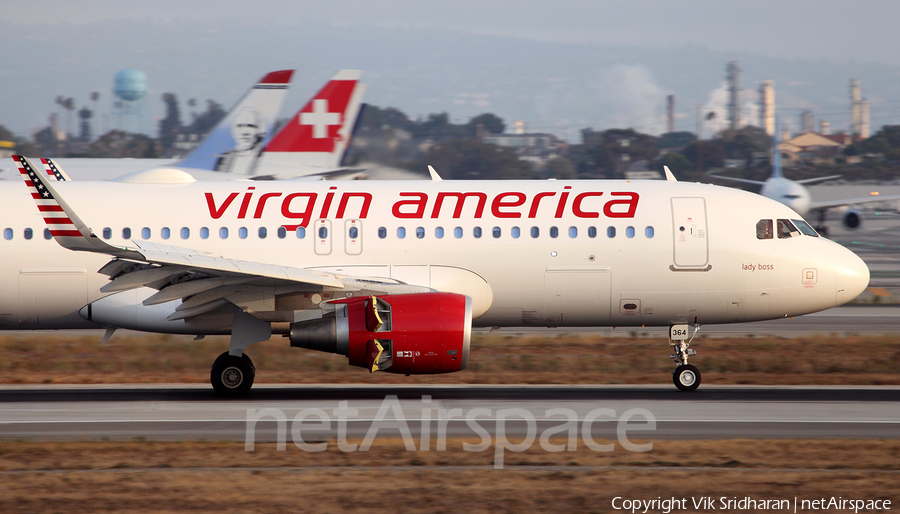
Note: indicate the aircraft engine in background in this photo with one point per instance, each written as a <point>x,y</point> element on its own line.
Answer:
<point>421,333</point>
<point>852,219</point>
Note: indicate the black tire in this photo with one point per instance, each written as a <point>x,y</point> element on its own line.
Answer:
<point>232,376</point>
<point>686,378</point>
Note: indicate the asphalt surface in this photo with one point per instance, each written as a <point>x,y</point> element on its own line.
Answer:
<point>180,412</point>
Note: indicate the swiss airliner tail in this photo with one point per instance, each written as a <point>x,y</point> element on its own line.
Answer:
<point>316,137</point>
<point>234,145</point>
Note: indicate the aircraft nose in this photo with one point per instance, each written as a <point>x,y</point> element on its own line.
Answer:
<point>852,277</point>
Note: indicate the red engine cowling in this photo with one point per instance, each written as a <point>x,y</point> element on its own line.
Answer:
<point>421,333</point>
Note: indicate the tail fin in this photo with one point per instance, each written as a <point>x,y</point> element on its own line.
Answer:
<point>776,151</point>
<point>235,143</point>
<point>53,170</point>
<point>318,135</point>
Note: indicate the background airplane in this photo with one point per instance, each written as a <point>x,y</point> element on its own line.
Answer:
<point>794,194</point>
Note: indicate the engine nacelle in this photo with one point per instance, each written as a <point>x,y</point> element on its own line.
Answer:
<point>419,333</point>
<point>852,219</point>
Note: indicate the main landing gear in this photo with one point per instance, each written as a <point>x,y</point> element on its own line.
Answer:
<point>233,372</point>
<point>686,377</point>
<point>232,376</point>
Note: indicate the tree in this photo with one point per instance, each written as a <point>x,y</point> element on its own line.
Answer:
<point>491,123</point>
<point>170,126</point>
<point>560,168</point>
<point>886,142</point>
<point>675,140</point>
<point>375,118</point>
<point>206,121</point>
<point>711,154</point>
<point>610,150</point>
<point>117,143</point>
<point>743,143</point>
<point>6,135</point>
<point>678,163</point>
<point>465,159</point>
<point>84,133</point>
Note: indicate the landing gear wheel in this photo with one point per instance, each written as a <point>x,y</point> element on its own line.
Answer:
<point>686,377</point>
<point>232,376</point>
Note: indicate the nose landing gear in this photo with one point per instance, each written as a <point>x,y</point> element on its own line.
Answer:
<point>686,377</point>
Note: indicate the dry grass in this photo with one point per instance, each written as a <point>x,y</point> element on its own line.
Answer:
<point>565,359</point>
<point>207,477</point>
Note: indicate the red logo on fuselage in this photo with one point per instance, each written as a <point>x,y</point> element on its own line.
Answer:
<point>302,207</point>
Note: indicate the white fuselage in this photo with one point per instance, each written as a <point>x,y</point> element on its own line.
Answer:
<point>681,252</point>
<point>787,192</point>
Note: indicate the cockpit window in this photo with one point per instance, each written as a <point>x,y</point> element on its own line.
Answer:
<point>764,229</point>
<point>805,228</point>
<point>786,229</point>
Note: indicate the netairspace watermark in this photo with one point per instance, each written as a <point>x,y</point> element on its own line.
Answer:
<point>314,420</point>
<point>735,504</point>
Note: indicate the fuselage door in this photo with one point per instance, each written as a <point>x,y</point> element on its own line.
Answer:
<point>353,237</point>
<point>323,237</point>
<point>691,249</point>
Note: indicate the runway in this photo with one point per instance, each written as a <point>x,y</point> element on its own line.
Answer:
<point>190,412</point>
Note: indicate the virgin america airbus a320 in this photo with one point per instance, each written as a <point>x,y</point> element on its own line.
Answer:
<point>394,274</point>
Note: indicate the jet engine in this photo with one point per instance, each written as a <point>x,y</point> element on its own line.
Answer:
<point>852,219</point>
<point>419,333</point>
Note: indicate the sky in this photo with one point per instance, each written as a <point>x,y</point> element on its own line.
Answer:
<point>558,67</point>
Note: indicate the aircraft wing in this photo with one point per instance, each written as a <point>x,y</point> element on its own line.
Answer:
<point>150,264</point>
<point>815,206</point>
<point>817,179</point>
<point>741,180</point>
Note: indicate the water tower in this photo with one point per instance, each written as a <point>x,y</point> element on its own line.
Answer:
<point>130,86</point>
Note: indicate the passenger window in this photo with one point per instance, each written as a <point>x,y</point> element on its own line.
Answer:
<point>610,232</point>
<point>629,232</point>
<point>30,233</point>
<point>223,233</point>
<point>7,233</point>
<point>262,232</point>
<point>764,229</point>
<point>107,233</point>
<point>457,232</point>
<point>420,232</point>
<point>126,233</point>
<point>382,232</point>
<point>282,232</point>
<point>515,232</point>
<point>204,233</point>
<point>242,232</point>
<point>786,229</point>
<point>648,232</point>
<point>496,232</point>
<point>47,234</point>
<point>592,232</point>
<point>301,232</point>
<point>165,233</point>
<point>535,232</point>
<point>185,232</point>
<point>145,233</point>
<point>476,232</point>
<point>573,232</point>
<point>323,232</point>
<point>554,232</point>
<point>401,232</point>
<point>805,228</point>
<point>353,233</point>
<point>439,232</point>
